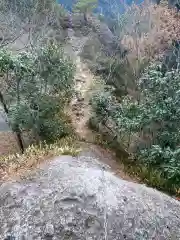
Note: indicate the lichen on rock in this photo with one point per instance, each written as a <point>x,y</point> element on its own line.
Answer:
<point>77,198</point>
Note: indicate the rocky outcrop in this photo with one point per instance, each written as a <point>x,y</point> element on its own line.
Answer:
<point>78,198</point>
<point>100,30</point>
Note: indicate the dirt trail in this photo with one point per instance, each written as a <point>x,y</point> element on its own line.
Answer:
<point>80,112</point>
<point>80,108</point>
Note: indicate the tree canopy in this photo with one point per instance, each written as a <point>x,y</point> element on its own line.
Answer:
<point>85,6</point>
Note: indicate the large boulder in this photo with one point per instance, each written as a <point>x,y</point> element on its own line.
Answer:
<point>78,198</point>
<point>93,27</point>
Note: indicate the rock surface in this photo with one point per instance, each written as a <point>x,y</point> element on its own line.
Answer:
<point>78,198</point>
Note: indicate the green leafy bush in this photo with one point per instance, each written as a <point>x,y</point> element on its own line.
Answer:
<point>102,103</point>
<point>85,7</point>
<point>35,89</point>
<point>154,117</point>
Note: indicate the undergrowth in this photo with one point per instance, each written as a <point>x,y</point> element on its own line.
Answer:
<point>149,125</point>
<point>135,120</point>
<point>35,154</point>
<point>144,174</point>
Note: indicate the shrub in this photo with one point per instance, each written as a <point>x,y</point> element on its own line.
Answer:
<point>102,103</point>
<point>35,90</point>
<point>154,118</point>
<point>85,7</point>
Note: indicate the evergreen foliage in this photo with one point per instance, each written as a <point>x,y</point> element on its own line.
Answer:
<point>155,116</point>
<point>85,6</point>
<point>35,88</point>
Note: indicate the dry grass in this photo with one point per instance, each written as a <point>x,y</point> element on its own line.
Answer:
<point>17,164</point>
<point>148,32</point>
<point>153,28</point>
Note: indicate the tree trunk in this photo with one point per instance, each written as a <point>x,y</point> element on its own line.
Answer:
<point>19,140</point>
<point>85,18</point>
<point>3,103</point>
<point>17,132</point>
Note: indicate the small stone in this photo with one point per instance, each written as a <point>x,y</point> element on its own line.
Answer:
<point>49,230</point>
<point>78,79</point>
<point>80,99</point>
<point>75,108</point>
<point>78,114</point>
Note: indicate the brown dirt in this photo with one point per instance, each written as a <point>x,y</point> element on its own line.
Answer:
<point>80,112</point>
<point>8,144</point>
<point>80,108</point>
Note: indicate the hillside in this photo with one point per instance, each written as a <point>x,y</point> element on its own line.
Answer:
<point>104,6</point>
<point>103,92</point>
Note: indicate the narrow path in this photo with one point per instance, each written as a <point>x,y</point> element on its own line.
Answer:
<point>80,108</point>
<point>80,112</point>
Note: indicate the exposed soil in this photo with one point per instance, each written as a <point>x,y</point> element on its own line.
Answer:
<point>80,112</point>
<point>80,108</point>
<point>8,143</point>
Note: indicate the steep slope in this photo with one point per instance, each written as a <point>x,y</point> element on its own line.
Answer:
<point>106,7</point>
<point>80,104</point>
<point>79,109</point>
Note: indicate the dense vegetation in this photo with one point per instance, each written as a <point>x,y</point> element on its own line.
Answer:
<point>150,122</point>
<point>138,100</point>
<point>85,7</point>
<point>35,88</point>
<point>137,109</point>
